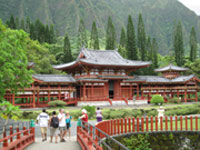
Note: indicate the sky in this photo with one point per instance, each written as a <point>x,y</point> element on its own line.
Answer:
<point>192,4</point>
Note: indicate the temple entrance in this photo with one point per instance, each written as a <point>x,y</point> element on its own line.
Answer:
<point>111,88</point>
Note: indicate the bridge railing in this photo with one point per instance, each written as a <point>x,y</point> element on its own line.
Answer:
<point>16,136</point>
<point>149,124</point>
<point>89,137</point>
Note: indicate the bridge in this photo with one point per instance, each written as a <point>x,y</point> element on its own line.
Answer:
<point>90,137</point>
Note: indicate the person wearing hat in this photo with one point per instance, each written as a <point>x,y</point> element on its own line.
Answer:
<point>84,116</point>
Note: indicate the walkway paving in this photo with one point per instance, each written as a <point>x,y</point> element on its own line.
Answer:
<point>39,145</point>
<point>71,145</point>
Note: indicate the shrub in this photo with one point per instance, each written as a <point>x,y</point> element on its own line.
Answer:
<point>90,111</point>
<point>157,99</point>
<point>56,103</point>
<point>75,114</point>
<point>175,100</point>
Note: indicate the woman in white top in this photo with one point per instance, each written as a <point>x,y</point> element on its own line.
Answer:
<point>99,115</point>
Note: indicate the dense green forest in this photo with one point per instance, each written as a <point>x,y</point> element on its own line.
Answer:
<point>159,16</point>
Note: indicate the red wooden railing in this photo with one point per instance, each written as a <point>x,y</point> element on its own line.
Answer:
<point>149,124</point>
<point>17,138</point>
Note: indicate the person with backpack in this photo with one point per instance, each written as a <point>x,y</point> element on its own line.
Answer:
<point>68,123</point>
<point>54,124</point>
<point>43,119</point>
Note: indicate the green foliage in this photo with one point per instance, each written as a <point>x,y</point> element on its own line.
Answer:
<point>56,103</point>
<point>131,47</point>
<point>94,38</point>
<point>139,142</point>
<point>178,44</point>
<point>38,30</point>
<point>194,67</point>
<point>67,50</point>
<point>175,100</point>
<point>157,99</point>
<point>90,110</point>
<point>8,111</point>
<point>82,36</point>
<point>14,73</point>
<point>122,43</point>
<point>110,35</point>
<point>141,38</point>
<point>193,45</point>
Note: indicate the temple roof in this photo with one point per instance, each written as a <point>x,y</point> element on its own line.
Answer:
<point>171,68</point>
<point>54,78</point>
<point>158,79</point>
<point>102,58</point>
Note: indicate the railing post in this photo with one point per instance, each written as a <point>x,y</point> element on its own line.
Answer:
<point>129,124</point>
<point>18,135</point>
<point>118,126</point>
<point>196,123</point>
<point>138,123</point>
<point>171,123</point>
<point>176,123</point>
<point>133,124</point>
<point>156,123</point>
<point>191,123</point>
<point>122,126</point>
<point>166,123</point>
<point>125,125</point>
<point>161,123</point>
<point>5,142</point>
<point>186,123</point>
<point>147,123</point>
<point>115,127</point>
<point>111,127</point>
<point>181,122</point>
<point>142,124</point>
<point>151,123</point>
<point>11,132</point>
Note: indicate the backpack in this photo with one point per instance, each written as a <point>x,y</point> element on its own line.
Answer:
<point>55,122</point>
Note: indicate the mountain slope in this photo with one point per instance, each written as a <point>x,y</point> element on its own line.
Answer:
<point>159,15</point>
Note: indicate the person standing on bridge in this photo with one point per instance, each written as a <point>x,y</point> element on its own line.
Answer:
<point>54,124</point>
<point>68,123</point>
<point>84,117</point>
<point>43,119</point>
<point>62,125</point>
<point>99,115</point>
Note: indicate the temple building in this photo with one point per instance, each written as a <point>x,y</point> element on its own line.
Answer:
<point>100,78</point>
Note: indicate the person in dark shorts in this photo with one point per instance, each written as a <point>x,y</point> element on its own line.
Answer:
<point>99,114</point>
<point>54,124</point>
<point>68,124</point>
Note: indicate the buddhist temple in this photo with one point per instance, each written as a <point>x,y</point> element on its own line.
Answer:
<point>102,78</point>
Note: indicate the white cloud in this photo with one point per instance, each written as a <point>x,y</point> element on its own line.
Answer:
<point>192,4</point>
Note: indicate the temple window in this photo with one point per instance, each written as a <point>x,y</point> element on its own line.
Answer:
<point>94,71</point>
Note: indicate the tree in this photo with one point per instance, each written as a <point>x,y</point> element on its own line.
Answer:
<point>110,35</point>
<point>67,50</point>
<point>13,60</point>
<point>193,45</point>
<point>154,53</point>
<point>82,36</point>
<point>28,24</point>
<point>94,39</point>
<point>12,24</point>
<point>141,38</point>
<point>22,26</point>
<point>178,45</point>
<point>122,43</point>
<point>52,35</point>
<point>131,41</point>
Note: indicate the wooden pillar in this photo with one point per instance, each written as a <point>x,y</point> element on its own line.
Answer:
<point>185,95</point>
<point>84,92</point>
<point>13,99</point>
<point>130,91</point>
<point>92,91</point>
<point>137,90</point>
<point>196,96</point>
<point>48,93</point>
<point>33,99</point>
<point>59,97</point>
<point>120,92</point>
<point>38,97</point>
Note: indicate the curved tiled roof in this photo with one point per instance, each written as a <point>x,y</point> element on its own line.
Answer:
<point>54,78</point>
<point>171,67</point>
<point>158,79</point>
<point>103,57</point>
